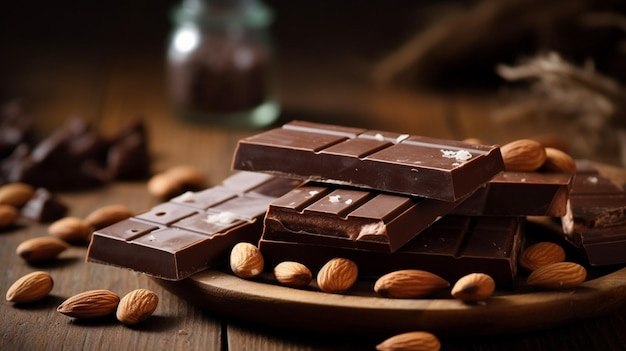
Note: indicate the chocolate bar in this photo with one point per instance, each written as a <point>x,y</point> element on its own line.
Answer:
<point>596,218</point>
<point>347,217</point>
<point>413,165</point>
<point>191,232</point>
<point>520,194</point>
<point>452,247</point>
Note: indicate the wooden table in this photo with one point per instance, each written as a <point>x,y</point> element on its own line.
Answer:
<point>56,82</point>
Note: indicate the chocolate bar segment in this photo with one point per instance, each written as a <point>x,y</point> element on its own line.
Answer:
<point>520,194</point>
<point>193,231</point>
<point>413,165</point>
<point>452,247</point>
<point>350,217</point>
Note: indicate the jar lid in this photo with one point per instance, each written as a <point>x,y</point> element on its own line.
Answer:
<point>251,13</point>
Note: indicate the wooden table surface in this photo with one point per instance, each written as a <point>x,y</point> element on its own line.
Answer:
<point>58,81</point>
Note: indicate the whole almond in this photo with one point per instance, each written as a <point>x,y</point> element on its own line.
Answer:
<point>41,248</point>
<point>474,287</point>
<point>107,215</point>
<point>136,306</point>
<point>540,254</point>
<point>293,274</point>
<point>414,341</point>
<point>8,215</point>
<point>31,287</point>
<point>246,260</point>
<point>558,161</point>
<point>409,283</point>
<point>175,181</point>
<point>523,155</point>
<point>90,304</point>
<point>560,275</point>
<point>16,194</point>
<point>337,275</point>
<point>70,229</point>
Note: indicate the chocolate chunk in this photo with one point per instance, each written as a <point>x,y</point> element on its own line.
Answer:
<point>350,217</point>
<point>191,232</point>
<point>452,247</point>
<point>44,207</point>
<point>418,166</point>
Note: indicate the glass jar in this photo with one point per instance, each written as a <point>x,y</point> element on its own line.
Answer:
<point>220,63</point>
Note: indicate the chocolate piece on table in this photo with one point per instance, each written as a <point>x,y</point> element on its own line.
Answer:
<point>452,247</point>
<point>413,165</point>
<point>44,207</point>
<point>596,218</point>
<point>350,217</point>
<point>519,194</point>
<point>191,232</point>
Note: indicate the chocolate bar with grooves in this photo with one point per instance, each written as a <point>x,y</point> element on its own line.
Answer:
<point>193,231</point>
<point>452,247</point>
<point>413,165</point>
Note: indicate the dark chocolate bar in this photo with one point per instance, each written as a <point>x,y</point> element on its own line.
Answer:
<point>519,194</point>
<point>413,165</point>
<point>350,217</point>
<point>596,218</point>
<point>452,247</point>
<point>193,231</point>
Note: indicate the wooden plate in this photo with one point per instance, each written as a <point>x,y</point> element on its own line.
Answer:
<point>362,313</point>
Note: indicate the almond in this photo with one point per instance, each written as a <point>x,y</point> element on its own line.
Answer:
<point>337,275</point>
<point>136,306</point>
<point>541,254</point>
<point>414,341</point>
<point>560,275</point>
<point>246,260</point>
<point>8,215</point>
<point>107,215</point>
<point>474,287</point>
<point>175,181</point>
<point>409,283</point>
<point>70,229</point>
<point>293,274</point>
<point>41,248</point>
<point>31,287</point>
<point>558,161</point>
<point>90,304</point>
<point>524,155</point>
<point>16,194</point>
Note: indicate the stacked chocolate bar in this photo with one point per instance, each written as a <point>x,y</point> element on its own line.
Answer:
<point>310,192</point>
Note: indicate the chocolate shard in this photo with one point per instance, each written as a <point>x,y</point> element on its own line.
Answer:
<point>44,207</point>
<point>413,165</point>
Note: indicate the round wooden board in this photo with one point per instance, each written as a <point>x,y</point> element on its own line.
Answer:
<point>361,312</point>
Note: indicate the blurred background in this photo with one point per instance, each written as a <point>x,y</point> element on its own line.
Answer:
<point>530,67</point>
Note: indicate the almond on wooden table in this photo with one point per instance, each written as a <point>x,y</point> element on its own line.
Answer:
<point>474,287</point>
<point>246,260</point>
<point>558,161</point>
<point>30,287</point>
<point>411,341</point>
<point>409,284</point>
<point>540,254</point>
<point>555,276</point>
<point>293,274</point>
<point>136,306</point>
<point>90,304</point>
<point>337,276</point>
<point>70,229</point>
<point>41,248</point>
<point>107,215</point>
<point>16,194</point>
<point>175,181</point>
<point>8,215</point>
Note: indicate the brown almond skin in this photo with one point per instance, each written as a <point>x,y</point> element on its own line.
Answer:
<point>409,284</point>
<point>8,215</point>
<point>414,341</point>
<point>246,260</point>
<point>90,304</point>
<point>30,287</point>
<point>557,276</point>
<point>540,254</point>
<point>474,287</point>
<point>175,181</point>
<point>523,155</point>
<point>70,229</point>
<point>337,276</point>
<point>41,248</point>
<point>107,215</point>
<point>136,306</point>
<point>293,274</point>
<point>16,194</point>
<point>558,161</point>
